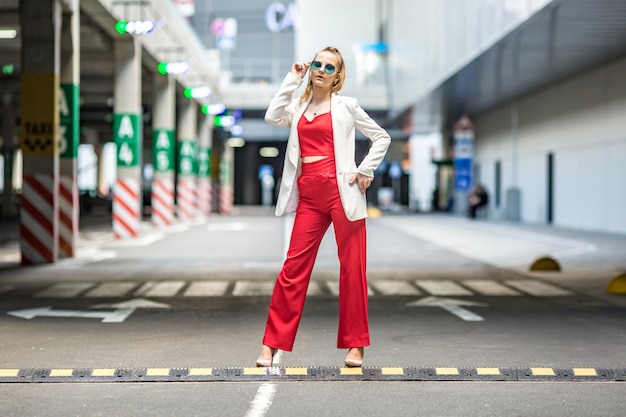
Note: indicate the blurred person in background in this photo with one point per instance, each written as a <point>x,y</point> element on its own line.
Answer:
<point>478,198</point>
<point>322,184</point>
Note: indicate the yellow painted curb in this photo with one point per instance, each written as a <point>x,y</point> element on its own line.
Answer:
<point>545,264</point>
<point>374,212</point>
<point>617,285</point>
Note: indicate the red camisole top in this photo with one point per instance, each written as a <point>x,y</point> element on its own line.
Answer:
<point>316,136</point>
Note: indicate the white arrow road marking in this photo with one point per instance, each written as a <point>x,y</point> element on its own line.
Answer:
<point>451,305</point>
<point>121,312</point>
<point>134,304</point>
<point>116,316</point>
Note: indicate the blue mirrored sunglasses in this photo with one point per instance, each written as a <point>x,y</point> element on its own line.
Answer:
<point>328,69</point>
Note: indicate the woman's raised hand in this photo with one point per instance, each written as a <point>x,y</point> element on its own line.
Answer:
<point>300,68</point>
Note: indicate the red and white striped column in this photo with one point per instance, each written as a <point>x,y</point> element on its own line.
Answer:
<point>162,202</point>
<point>226,199</point>
<point>39,131</point>
<point>126,208</point>
<point>38,226</point>
<point>186,198</point>
<point>68,216</point>
<point>227,180</point>
<point>128,136</point>
<point>204,196</point>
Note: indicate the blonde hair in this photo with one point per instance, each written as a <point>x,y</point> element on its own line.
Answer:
<point>337,85</point>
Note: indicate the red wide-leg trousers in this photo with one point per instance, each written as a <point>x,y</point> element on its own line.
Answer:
<point>319,205</point>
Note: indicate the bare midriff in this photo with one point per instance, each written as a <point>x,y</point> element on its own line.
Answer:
<point>307,159</point>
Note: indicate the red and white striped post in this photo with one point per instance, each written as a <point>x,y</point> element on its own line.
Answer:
<point>68,215</point>
<point>126,208</point>
<point>186,198</point>
<point>162,202</point>
<point>38,225</point>
<point>163,142</point>
<point>227,175</point>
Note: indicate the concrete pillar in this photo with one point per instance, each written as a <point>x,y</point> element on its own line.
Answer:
<point>9,148</point>
<point>127,133</point>
<point>163,142</point>
<point>40,22</point>
<point>69,134</point>
<point>205,146</point>
<point>187,149</point>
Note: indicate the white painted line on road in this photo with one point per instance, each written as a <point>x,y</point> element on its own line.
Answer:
<point>314,289</point>
<point>111,289</point>
<point>207,289</point>
<point>333,286</point>
<point>253,288</point>
<point>537,288</point>
<point>116,316</point>
<point>138,241</point>
<point>489,287</point>
<point>265,394</point>
<point>227,227</point>
<point>262,265</point>
<point>160,289</point>
<point>391,287</point>
<point>262,401</point>
<point>442,287</point>
<point>65,290</point>
<point>450,305</point>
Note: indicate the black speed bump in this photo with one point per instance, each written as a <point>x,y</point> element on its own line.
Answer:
<point>236,374</point>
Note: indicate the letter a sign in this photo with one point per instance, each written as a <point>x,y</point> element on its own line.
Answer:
<point>126,133</point>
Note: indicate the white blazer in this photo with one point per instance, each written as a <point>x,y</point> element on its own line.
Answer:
<point>346,115</point>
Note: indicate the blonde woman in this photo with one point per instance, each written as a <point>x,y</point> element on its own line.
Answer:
<point>322,184</point>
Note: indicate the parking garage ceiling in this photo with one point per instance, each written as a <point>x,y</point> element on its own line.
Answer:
<point>563,39</point>
<point>560,40</point>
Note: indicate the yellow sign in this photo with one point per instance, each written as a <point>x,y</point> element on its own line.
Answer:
<point>39,131</point>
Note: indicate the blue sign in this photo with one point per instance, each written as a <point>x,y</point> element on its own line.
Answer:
<point>395,170</point>
<point>462,174</point>
<point>265,170</point>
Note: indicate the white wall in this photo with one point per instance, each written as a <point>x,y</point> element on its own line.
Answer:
<point>582,121</point>
<point>341,24</point>
<point>423,173</point>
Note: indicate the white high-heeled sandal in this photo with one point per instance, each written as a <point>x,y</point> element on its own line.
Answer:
<point>266,363</point>
<point>354,363</point>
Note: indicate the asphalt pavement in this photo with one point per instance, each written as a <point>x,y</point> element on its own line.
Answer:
<point>170,323</point>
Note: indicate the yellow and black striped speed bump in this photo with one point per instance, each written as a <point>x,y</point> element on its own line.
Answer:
<point>237,374</point>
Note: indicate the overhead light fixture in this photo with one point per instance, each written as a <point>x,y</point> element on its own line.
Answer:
<point>236,142</point>
<point>269,152</point>
<point>173,68</point>
<point>224,121</point>
<point>197,92</point>
<point>214,108</point>
<point>8,33</point>
<point>135,27</point>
